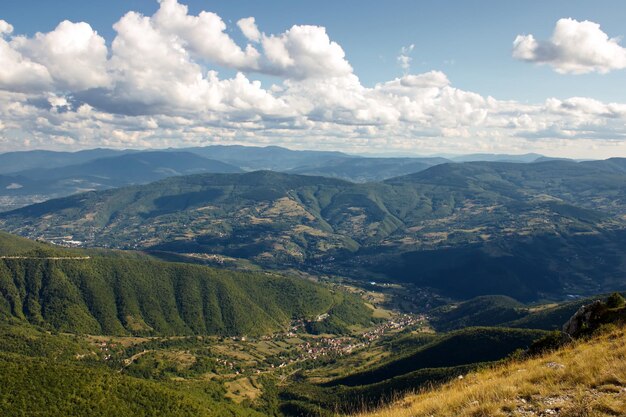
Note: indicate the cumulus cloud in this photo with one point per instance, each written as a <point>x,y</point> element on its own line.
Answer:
<point>304,51</point>
<point>5,28</point>
<point>203,35</point>
<point>157,85</point>
<point>73,53</point>
<point>249,29</point>
<point>18,73</point>
<point>574,48</point>
<point>429,79</point>
<point>155,67</point>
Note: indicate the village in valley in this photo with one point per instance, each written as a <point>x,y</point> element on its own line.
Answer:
<point>239,361</point>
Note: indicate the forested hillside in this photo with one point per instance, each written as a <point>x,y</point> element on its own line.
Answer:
<point>89,292</point>
<point>66,375</point>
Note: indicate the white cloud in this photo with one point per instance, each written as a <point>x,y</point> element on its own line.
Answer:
<point>429,79</point>
<point>203,35</point>
<point>304,52</point>
<point>340,100</point>
<point>249,29</point>
<point>404,59</point>
<point>18,73</point>
<point>574,48</point>
<point>5,28</point>
<point>73,53</point>
<point>155,73</point>
<point>58,101</point>
<point>157,85</point>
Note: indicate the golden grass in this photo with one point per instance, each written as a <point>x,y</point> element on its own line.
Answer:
<point>126,341</point>
<point>287,207</point>
<point>301,228</point>
<point>242,389</point>
<point>585,379</point>
<point>380,313</point>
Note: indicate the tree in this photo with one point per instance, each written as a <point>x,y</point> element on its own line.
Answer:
<point>615,300</point>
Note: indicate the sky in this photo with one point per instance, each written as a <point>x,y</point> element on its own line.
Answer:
<point>395,78</point>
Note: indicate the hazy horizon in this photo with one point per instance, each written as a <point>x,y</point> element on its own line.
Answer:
<point>363,154</point>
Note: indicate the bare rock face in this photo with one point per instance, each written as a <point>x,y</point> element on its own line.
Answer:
<point>583,318</point>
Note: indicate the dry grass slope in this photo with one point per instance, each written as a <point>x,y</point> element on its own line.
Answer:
<point>584,379</point>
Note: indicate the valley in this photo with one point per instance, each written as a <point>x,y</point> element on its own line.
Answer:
<point>278,294</point>
<point>312,209</point>
<point>349,348</point>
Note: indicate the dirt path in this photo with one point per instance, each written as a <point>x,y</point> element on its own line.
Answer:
<point>53,258</point>
<point>128,361</point>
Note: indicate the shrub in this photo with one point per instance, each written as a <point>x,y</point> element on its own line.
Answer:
<point>615,300</point>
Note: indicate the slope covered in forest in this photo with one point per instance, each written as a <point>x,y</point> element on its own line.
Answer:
<point>98,292</point>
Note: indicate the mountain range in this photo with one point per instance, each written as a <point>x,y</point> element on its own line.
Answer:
<point>528,230</point>
<point>33,176</point>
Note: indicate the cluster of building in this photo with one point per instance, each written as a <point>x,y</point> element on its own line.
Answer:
<point>339,346</point>
<point>328,346</point>
<point>397,323</point>
<point>106,349</point>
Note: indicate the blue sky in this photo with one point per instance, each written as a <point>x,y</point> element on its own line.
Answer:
<point>468,45</point>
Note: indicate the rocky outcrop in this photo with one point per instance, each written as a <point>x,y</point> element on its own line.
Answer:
<point>584,318</point>
<point>590,317</point>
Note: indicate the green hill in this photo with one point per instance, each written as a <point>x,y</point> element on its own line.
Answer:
<point>12,162</point>
<point>11,245</point>
<point>137,167</point>
<point>77,291</point>
<point>501,311</point>
<point>551,317</point>
<point>488,310</point>
<point>369,169</point>
<point>462,347</point>
<point>275,158</point>
<point>75,390</point>
<point>63,375</point>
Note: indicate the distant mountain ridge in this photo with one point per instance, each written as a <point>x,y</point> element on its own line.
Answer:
<point>34,176</point>
<point>369,169</point>
<point>137,167</point>
<point>104,173</point>
<point>274,158</point>
<point>12,162</point>
<point>488,157</point>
